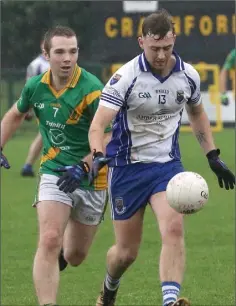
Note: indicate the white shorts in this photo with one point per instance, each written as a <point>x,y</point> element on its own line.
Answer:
<point>87,206</point>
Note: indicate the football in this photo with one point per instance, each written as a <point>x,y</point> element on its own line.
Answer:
<point>187,192</point>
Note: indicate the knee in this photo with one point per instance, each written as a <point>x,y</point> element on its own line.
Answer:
<point>75,257</point>
<point>50,241</point>
<point>173,231</point>
<point>127,256</point>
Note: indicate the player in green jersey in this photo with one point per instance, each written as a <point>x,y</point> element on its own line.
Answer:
<point>230,63</point>
<point>69,210</point>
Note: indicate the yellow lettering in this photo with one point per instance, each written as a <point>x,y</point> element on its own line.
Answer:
<point>139,32</point>
<point>188,24</point>
<point>221,24</point>
<point>126,27</point>
<point>111,27</point>
<point>177,24</point>
<point>234,24</point>
<point>206,25</point>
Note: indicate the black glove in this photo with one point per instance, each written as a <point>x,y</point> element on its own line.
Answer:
<point>4,161</point>
<point>99,161</point>
<point>222,172</point>
<point>72,177</point>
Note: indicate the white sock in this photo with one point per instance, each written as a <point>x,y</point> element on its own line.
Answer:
<point>170,292</point>
<point>111,283</point>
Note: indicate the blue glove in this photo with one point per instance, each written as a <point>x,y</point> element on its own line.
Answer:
<point>72,177</point>
<point>225,177</point>
<point>99,161</point>
<point>4,161</point>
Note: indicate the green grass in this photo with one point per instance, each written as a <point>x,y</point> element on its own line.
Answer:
<point>209,278</point>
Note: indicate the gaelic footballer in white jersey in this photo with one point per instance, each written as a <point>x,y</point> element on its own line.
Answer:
<point>37,66</point>
<point>150,107</point>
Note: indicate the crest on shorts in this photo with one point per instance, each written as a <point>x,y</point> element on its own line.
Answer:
<point>115,79</point>
<point>119,206</point>
<point>179,96</point>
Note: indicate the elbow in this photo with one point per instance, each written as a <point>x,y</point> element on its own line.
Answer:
<point>95,127</point>
<point>197,116</point>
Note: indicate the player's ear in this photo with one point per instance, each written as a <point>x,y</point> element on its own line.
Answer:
<point>140,41</point>
<point>45,54</point>
<point>174,37</point>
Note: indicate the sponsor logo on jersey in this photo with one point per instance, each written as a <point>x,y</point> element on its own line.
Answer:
<point>162,112</point>
<point>119,206</point>
<point>57,136</point>
<point>115,79</point>
<point>180,97</point>
<point>146,95</point>
<point>55,125</point>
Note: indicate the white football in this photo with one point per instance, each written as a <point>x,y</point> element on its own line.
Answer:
<point>187,192</point>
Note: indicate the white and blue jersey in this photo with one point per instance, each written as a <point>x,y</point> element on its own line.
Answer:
<point>37,66</point>
<point>150,107</point>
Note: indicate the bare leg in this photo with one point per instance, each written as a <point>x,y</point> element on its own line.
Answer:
<point>34,150</point>
<point>172,257</point>
<point>121,255</point>
<point>52,217</point>
<point>77,240</point>
<point>128,238</point>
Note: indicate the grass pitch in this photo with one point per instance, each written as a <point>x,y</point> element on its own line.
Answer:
<point>210,241</point>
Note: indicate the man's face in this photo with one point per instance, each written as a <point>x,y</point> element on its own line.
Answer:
<point>63,55</point>
<point>157,52</point>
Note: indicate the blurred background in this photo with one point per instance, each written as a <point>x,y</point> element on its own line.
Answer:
<point>108,32</point>
<point>108,38</point>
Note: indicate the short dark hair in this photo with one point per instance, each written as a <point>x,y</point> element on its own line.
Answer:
<point>159,23</point>
<point>56,31</point>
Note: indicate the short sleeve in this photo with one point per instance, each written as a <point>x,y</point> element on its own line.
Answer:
<point>195,86</point>
<point>114,92</point>
<point>92,108</point>
<point>23,103</point>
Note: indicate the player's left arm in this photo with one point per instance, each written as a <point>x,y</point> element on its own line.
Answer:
<point>201,128</point>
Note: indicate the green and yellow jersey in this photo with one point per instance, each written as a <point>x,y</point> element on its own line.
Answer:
<point>230,62</point>
<point>64,119</point>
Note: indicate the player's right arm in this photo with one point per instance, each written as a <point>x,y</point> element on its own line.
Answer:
<point>10,123</point>
<point>15,116</point>
<point>111,100</point>
<point>101,120</point>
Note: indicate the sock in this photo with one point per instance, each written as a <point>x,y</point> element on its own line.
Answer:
<point>111,283</point>
<point>170,292</point>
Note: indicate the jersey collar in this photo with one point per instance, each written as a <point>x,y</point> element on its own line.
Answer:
<point>145,67</point>
<point>46,79</point>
